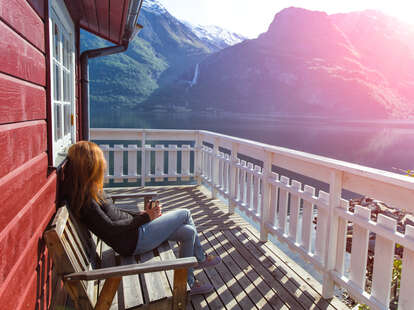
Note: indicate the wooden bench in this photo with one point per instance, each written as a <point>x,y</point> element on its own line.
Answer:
<point>93,274</point>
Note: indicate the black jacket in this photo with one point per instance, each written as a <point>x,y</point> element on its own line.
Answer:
<point>116,228</point>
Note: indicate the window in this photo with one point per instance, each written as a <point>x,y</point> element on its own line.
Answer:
<point>62,77</point>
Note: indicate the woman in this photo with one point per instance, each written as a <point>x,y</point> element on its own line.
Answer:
<point>128,234</point>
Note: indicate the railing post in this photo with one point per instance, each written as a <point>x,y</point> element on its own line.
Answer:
<point>197,157</point>
<point>215,169</point>
<point>233,177</point>
<point>264,216</point>
<point>335,191</point>
<point>143,162</point>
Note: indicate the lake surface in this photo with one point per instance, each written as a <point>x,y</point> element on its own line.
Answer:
<point>384,144</point>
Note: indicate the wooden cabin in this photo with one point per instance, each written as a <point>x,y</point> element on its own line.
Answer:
<point>41,114</point>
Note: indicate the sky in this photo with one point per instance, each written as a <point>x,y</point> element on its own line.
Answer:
<point>252,17</point>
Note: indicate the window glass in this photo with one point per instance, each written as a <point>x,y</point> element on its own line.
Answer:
<point>58,122</point>
<point>56,79</point>
<point>62,75</point>
<point>66,119</point>
<point>56,40</point>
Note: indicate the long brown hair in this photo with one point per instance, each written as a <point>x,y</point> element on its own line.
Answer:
<point>84,175</point>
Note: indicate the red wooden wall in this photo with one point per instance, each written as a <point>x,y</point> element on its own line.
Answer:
<point>27,191</point>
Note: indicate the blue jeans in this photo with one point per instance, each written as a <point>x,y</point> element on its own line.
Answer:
<point>176,225</point>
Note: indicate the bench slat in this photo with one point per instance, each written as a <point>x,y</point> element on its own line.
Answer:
<point>132,287</point>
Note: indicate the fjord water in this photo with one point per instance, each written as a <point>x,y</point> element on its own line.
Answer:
<point>382,144</point>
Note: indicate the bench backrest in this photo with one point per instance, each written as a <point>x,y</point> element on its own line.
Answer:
<point>73,250</point>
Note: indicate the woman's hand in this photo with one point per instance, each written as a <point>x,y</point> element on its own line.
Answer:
<point>154,212</point>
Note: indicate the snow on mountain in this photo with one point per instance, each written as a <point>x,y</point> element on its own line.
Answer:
<point>154,6</point>
<point>216,35</point>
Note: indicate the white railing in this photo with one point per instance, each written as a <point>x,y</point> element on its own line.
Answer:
<point>241,171</point>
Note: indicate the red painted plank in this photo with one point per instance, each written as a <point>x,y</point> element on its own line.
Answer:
<point>19,15</point>
<point>22,263</point>
<point>30,223</point>
<point>115,18</point>
<point>19,186</point>
<point>90,14</point>
<point>19,58</point>
<point>39,6</point>
<point>20,100</point>
<point>27,298</point>
<point>20,142</point>
<point>102,9</point>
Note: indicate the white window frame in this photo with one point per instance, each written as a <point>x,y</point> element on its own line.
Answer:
<point>59,15</point>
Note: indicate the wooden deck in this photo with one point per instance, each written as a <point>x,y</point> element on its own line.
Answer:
<point>253,275</point>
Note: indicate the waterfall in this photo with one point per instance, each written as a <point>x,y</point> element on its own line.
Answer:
<point>195,77</point>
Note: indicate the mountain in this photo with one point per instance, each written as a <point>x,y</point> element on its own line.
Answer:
<point>162,51</point>
<point>215,36</point>
<point>384,43</point>
<point>309,63</point>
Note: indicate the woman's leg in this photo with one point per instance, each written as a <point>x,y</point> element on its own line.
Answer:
<point>176,226</point>
<point>153,233</point>
<point>190,242</point>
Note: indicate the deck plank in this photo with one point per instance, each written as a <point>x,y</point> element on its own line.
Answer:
<point>215,278</point>
<point>232,284</point>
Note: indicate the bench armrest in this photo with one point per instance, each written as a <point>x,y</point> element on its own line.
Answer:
<point>126,270</point>
<point>136,195</point>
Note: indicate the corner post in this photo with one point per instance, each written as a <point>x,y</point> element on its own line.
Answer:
<point>215,169</point>
<point>267,171</point>
<point>233,177</point>
<point>197,157</point>
<point>143,162</point>
<point>335,191</point>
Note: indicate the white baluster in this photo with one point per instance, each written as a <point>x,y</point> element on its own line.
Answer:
<point>226,173</point>
<point>159,163</point>
<point>233,177</point>
<point>198,160</point>
<point>143,160</point>
<point>307,219</point>
<point>215,169</point>
<point>249,188</point>
<point>118,163</point>
<point>185,163</point>
<point>283,205</point>
<point>274,194</point>
<point>256,190</point>
<point>342,235</point>
<point>294,212</point>
<point>321,227</point>
<point>335,192</point>
<point>147,163</point>
<point>172,162</point>
<point>406,300</point>
<point>242,183</point>
<point>383,261</point>
<point>359,252</point>
<point>132,162</point>
<point>266,201</point>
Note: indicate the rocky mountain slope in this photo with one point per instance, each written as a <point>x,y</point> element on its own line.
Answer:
<point>355,65</point>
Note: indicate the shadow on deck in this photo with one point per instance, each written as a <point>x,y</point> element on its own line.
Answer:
<point>253,275</point>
